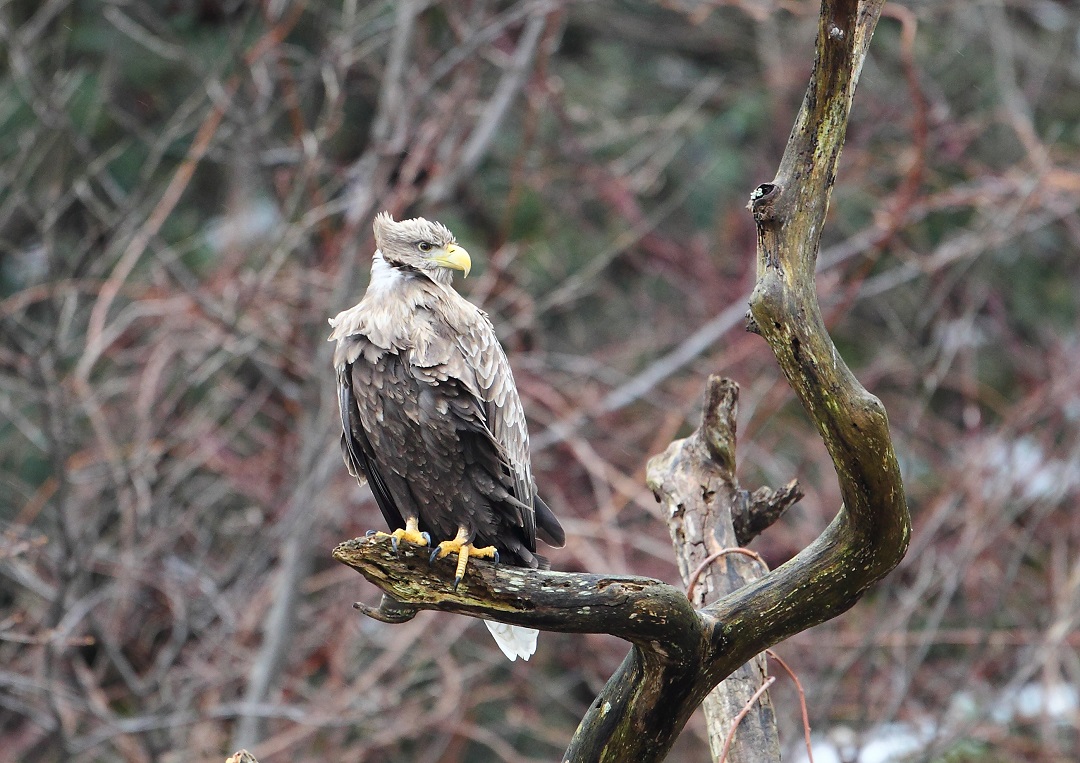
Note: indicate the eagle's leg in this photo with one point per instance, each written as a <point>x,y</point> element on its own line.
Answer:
<point>411,532</point>
<point>461,546</point>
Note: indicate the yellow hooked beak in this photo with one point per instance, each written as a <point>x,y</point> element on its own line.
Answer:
<point>455,258</point>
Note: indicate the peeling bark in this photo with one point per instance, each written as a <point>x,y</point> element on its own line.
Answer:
<point>695,481</point>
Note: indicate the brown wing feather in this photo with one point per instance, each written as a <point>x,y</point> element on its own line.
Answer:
<point>358,452</point>
<point>493,383</point>
<point>433,420</point>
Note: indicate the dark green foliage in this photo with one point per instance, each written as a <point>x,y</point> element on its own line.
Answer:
<point>150,489</point>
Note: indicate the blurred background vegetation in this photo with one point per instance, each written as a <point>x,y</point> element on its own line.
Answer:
<point>186,189</point>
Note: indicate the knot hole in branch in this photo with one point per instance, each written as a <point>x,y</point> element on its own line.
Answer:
<point>763,202</point>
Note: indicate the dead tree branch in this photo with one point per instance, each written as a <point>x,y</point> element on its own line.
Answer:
<point>648,613</point>
<point>870,533</point>
<point>630,720</point>
<point>695,481</point>
<point>681,653</point>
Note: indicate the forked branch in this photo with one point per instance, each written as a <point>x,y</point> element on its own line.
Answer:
<point>680,654</point>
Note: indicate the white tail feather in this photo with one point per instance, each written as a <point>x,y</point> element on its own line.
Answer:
<point>514,640</point>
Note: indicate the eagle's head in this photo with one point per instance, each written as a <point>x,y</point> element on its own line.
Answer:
<point>421,245</point>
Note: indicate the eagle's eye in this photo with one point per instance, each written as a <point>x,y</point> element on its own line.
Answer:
<point>424,246</point>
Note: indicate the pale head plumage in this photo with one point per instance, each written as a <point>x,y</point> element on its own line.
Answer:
<point>421,245</point>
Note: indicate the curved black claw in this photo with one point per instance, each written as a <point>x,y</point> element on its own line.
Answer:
<point>495,559</point>
<point>427,537</point>
<point>394,544</point>
<point>435,553</point>
<point>370,533</point>
<point>456,581</point>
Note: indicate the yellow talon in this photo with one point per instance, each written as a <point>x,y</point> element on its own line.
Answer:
<point>411,532</point>
<point>460,546</point>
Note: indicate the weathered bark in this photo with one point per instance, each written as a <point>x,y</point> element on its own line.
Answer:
<point>644,611</point>
<point>695,481</point>
<point>680,653</point>
<point>630,719</point>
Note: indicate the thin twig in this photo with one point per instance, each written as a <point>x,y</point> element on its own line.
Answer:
<point>742,714</point>
<point>95,332</point>
<point>712,558</point>
<point>222,98</point>
<point>487,125</point>
<point>802,703</point>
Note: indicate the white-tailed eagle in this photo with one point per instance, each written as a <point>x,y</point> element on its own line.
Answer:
<point>430,415</point>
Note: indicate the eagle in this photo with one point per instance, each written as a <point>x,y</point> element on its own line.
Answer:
<point>430,416</point>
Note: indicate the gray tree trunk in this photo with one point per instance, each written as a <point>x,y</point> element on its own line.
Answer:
<point>695,481</point>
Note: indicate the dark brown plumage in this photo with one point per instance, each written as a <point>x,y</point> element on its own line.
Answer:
<point>431,418</point>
